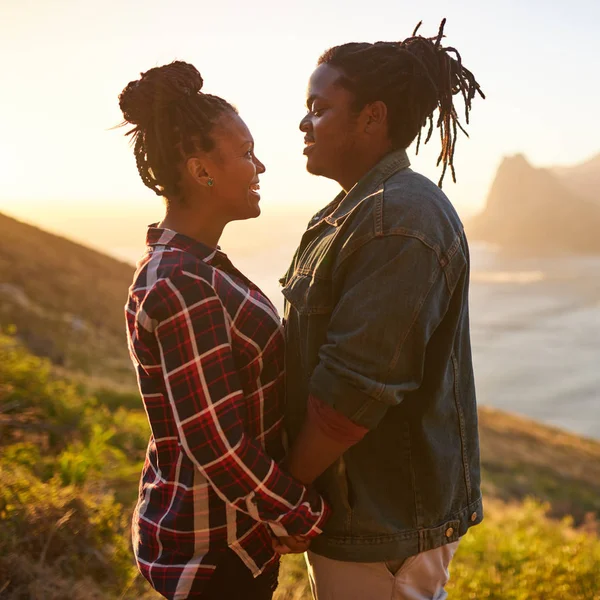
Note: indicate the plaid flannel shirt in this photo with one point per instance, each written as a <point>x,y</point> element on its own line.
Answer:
<point>207,346</point>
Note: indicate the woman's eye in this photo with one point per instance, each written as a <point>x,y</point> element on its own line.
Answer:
<point>318,112</point>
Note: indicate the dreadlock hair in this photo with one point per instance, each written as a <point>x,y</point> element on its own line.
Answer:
<point>413,78</point>
<point>172,119</point>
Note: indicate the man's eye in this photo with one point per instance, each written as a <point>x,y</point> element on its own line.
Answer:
<point>249,153</point>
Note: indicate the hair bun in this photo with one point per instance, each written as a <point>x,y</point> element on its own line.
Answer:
<point>143,99</point>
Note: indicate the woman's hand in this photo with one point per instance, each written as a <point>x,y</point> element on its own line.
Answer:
<point>291,544</point>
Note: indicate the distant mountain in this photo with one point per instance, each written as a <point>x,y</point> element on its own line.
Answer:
<point>531,211</point>
<point>582,179</point>
<point>65,300</point>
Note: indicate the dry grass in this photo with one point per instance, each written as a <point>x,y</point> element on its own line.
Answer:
<point>523,458</point>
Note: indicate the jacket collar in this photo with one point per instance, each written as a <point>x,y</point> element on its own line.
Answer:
<point>391,163</point>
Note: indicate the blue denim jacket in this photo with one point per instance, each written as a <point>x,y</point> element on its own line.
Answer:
<point>377,326</point>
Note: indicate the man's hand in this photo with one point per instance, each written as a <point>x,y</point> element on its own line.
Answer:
<point>291,544</point>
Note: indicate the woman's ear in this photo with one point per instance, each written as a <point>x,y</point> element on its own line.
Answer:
<point>196,168</point>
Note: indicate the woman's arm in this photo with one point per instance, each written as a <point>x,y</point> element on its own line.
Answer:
<point>192,330</point>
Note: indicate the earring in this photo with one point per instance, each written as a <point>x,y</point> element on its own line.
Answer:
<point>210,181</point>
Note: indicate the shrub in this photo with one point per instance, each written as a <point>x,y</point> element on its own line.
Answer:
<point>518,553</point>
<point>65,531</point>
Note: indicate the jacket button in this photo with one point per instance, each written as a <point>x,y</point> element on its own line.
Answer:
<point>474,517</point>
<point>449,532</point>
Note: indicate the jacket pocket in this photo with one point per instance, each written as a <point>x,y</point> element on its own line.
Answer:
<point>309,295</point>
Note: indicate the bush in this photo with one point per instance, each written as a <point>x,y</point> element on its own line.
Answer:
<point>517,553</point>
<point>63,532</point>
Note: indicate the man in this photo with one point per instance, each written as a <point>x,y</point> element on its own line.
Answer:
<point>381,410</point>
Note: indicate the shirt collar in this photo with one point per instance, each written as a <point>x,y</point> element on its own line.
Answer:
<point>158,237</point>
<point>391,163</point>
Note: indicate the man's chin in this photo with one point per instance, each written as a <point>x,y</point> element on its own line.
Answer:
<point>314,168</point>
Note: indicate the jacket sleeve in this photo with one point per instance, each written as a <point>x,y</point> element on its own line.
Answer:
<point>390,297</point>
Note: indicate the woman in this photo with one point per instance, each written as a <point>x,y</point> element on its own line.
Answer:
<point>207,346</point>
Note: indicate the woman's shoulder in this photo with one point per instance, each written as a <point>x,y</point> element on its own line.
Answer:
<point>171,277</point>
<point>171,265</point>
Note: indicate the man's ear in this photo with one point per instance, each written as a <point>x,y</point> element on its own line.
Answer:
<point>196,167</point>
<point>375,116</point>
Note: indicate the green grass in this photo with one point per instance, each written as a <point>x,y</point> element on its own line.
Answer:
<point>518,553</point>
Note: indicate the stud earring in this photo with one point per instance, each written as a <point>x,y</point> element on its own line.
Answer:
<point>211,181</point>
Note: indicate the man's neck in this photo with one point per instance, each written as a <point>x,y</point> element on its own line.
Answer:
<point>361,168</point>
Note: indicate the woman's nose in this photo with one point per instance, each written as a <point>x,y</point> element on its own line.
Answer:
<point>260,167</point>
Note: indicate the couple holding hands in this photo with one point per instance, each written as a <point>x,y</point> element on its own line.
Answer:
<point>349,431</point>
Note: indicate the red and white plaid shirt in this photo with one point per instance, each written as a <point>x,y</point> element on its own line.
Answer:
<point>207,346</point>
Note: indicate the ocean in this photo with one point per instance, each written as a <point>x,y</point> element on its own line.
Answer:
<point>535,327</point>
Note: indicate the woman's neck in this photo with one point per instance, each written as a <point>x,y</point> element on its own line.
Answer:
<point>194,224</point>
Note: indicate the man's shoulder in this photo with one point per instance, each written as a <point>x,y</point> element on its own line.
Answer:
<point>413,204</point>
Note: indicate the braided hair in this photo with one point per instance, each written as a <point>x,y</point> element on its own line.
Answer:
<point>172,119</point>
<point>413,78</point>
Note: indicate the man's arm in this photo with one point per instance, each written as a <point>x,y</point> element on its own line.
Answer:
<point>325,435</point>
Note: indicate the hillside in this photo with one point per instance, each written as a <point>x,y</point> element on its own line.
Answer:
<point>582,179</point>
<point>531,211</point>
<point>65,300</point>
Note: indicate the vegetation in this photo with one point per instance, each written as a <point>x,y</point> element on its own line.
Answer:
<point>70,461</point>
<point>69,465</point>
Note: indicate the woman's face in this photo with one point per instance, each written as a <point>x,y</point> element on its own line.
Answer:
<point>234,170</point>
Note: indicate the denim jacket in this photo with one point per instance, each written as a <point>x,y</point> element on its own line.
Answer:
<point>377,326</point>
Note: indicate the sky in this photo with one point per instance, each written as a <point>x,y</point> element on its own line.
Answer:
<point>63,64</point>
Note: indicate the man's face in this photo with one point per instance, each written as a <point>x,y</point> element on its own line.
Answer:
<point>331,127</point>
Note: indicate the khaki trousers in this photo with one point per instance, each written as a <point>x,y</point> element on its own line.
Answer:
<point>419,577</point>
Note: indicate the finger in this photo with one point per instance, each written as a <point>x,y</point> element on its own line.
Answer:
<point>281,549</point>
<point>298,548</point>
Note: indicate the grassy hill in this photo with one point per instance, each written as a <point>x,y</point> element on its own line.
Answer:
<point>72,444</point>
<point>65,300</point>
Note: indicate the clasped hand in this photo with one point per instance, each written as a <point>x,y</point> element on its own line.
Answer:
<point>291,544</point>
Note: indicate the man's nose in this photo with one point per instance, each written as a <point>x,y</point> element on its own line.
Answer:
<point>305,124</point>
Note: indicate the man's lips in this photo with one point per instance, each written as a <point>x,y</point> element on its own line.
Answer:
<point>309,145</point>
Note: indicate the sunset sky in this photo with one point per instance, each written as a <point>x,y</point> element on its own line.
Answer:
<point>65,62</point>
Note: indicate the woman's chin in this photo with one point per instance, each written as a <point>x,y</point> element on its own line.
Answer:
<point>253,204</point>
<point>251,212</point>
